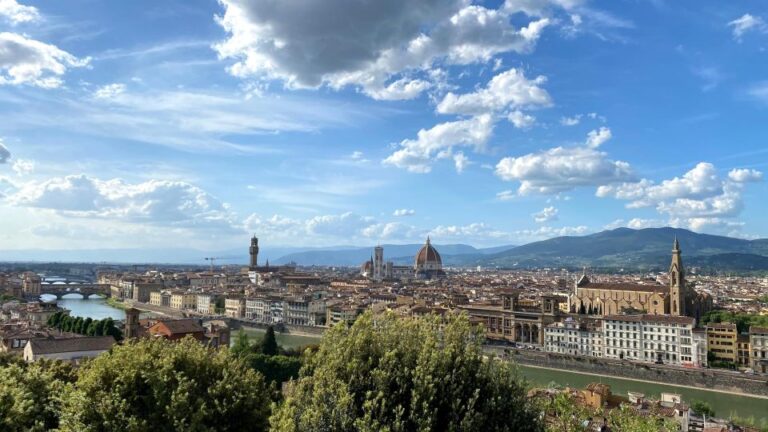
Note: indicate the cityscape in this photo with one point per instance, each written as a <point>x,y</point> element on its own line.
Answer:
<point>365,215</point>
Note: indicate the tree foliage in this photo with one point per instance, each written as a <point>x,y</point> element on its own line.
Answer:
<point>30,395</point>
<point>385,373</point>
<point>702,408</point>
<point>742,320</point>
<point>269,343</point>
<point>157,385</point>
<point>87,326</point>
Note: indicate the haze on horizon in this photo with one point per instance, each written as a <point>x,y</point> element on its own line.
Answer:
<point>340,122</point>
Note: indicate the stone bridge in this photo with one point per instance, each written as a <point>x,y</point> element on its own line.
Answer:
<point>84,289</point>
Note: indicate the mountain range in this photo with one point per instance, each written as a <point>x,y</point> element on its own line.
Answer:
<point>621,248</point>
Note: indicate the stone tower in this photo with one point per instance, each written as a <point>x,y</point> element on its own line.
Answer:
<point>131,329</point>
<point>378,263</point>
<point>254,251</point>
<point>676,282</point>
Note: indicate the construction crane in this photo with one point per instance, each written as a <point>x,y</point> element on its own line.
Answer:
<point>213,261</point>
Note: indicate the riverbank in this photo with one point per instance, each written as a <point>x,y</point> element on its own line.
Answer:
<point>725,404</point>
<point>604,376</point>
<point>115,303</point>
<point>705,379</point>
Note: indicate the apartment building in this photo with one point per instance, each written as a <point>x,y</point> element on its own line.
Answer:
<point>663,339</point>
<point>183,300</point>
<point>234,307</point>
<point>574,338</point>
<point>721,342</point>
<point>758,343</point>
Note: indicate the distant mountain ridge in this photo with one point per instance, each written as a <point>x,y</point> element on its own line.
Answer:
<point>635,249</point>
<point>399,254</point>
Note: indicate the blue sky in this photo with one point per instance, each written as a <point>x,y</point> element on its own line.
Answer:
<point>313,123</point>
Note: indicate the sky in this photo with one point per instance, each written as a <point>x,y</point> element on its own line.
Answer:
<point>177,123</point>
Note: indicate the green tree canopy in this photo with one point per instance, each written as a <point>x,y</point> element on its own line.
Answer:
<point>30,395</point>
<point>385,373</point>
<point>157,385</point>
<point>269,343</point>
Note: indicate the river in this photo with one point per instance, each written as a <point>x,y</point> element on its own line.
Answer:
<point>95,307</point>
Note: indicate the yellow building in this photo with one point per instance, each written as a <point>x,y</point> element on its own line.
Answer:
<point>742,350</point>
<point>183,300</point>
<point>722,342</point>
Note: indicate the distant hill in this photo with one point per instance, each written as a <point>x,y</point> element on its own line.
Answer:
<point>356,256</point>
<point>636,249</point>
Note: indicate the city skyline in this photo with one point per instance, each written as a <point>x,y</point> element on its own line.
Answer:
<point>485,123</point>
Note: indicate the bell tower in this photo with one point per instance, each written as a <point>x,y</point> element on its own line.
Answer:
<point>254,251</point>
<point>676,282</point>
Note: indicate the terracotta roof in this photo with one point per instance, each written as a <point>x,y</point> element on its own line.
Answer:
<point>755,329</point>
<point>182,326</point>
<point>428,253</point>
<point>53,346</point>
<point>618,286</point>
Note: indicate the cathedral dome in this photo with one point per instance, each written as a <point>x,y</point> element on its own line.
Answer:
<point>428,258</point>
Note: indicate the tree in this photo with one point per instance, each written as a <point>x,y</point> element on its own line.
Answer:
<point>242,345</point>
<point>30,395</point>
<point>276,369</point>
<point>154,384</point>
<point>392,374</point>
<point>627,419</point>
<point>702,408</point>
<point>86,324</point>
<point>564,414</point>
<point>99,329</point>
<point>269,343</point>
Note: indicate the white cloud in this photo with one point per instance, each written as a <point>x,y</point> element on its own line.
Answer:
<point>27,61</point>
<point>403,212</point>
<point>759,91</point>
<point>109,91</point>
<point>23,167</point>
<point>636,223</point>
<point>744,175</point>
<point>17,13</point>
<point>547,214</point>
<point>5,154</point>
<point>461,162</point>
<point>570,121</point>
<point>546,232</point>
<point>510,89</point>
<point>596,138</point>
<point>159,202</point>
<point>474,232</point>
<point>747,23</point>
<point>562,169</point>
<point>416,155</point>
<point>303,44</point>
<point>521,120</point>
<point>505,195</point>
<point>699,199</point>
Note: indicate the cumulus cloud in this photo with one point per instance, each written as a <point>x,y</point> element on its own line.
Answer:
<point>478,232</point>
<point>562,169</point>
<point>596,138</point>
<point>510,89</point>
<point>31,62</point>
<point>416,155</point>
<point>547,214</point>
<point>403,212</point>
<point>636,223</point>
<point>570,121</point>
<point>521,120</point>
<point>5,154</point>
<point>546,232</point>
<point>23,167</point>
<point>744,175</point>
<point>697,199</point>
<point>160,202</point>
<point>16,13</point>
<point>747,23</point>
<point>461,162</point>
<point>387,50</point>
<point>109,91</point>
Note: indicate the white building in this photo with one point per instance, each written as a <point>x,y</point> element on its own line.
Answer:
<point>206,304</point>
<point>574,338</point>
<point>651,338</point>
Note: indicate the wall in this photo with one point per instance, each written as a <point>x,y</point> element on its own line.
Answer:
<point>698,377</point>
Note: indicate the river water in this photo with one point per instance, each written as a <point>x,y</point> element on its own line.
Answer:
<point>95,307</point>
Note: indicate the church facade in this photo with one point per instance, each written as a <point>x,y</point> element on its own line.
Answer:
<point>677,299</point>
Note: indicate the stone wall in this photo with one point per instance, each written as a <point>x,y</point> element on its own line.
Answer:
<point>704,378</point>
